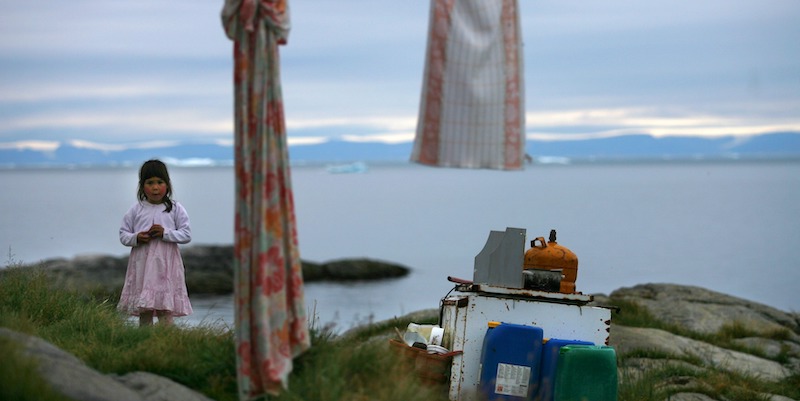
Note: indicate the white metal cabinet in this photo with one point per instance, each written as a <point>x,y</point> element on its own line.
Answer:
<point>466,312</point>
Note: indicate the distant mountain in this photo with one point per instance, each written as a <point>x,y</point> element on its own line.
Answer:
<point>68,155</point>
<point>630,147</point>
<point>647,147</point>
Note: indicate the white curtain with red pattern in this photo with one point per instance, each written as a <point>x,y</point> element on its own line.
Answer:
<point>472,112</point>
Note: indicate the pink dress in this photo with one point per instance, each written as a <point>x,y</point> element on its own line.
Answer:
<point>155,278</point>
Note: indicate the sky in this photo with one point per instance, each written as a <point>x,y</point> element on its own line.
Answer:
<point>138,73</point>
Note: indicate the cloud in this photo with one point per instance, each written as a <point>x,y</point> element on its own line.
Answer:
<point>39,146</point>
<point>388,137</point>
<point>586,123</point>
<point>43,92</point>
<point>383,122</point>
<point>106,147</point>
<point>300,141</point>
<point>76,92</point>
<point>146,123</point>
<point>81,144</point>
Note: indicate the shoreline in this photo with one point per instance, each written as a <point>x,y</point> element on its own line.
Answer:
<point>209,271</point>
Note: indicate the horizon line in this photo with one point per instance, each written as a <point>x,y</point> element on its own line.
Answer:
<point>50,146</point>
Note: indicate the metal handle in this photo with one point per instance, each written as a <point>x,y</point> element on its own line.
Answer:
<point>541,241</point>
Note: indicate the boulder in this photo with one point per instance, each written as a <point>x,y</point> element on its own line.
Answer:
<point>352,270</point>
<point>770,351</point>
<point>626,339</point>
<point>705,311</point>
<point>71,377</point>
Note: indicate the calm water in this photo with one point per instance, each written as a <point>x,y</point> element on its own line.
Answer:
<point>732,227</point>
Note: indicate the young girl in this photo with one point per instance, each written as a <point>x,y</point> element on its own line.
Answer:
<point>153,227</point>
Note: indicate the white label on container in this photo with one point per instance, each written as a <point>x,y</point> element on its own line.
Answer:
<point>512,380</point>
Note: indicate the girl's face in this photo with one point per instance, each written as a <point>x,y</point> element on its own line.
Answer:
<point>154,189</point>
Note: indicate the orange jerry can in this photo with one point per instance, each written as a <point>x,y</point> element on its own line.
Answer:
<point>552,256</point>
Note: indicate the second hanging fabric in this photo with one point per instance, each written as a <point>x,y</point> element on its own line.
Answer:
<point>472,112</point>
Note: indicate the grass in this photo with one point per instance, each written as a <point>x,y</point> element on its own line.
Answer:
<point>201,358</point>
<point>332,370</point>
<point>644,386</point>
<point>663,382</point>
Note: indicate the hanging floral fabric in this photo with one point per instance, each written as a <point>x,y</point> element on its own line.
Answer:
<point>271,327</point>
<point>472,106</point>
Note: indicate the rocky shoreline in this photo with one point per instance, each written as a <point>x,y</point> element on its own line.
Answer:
<point>209,271</point>
<point>688,335</point>
<point>770,352</point>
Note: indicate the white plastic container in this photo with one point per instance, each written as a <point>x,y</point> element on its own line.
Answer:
<point>431,334</point>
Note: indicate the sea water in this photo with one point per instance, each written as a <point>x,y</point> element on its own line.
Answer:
<point>731,227</point>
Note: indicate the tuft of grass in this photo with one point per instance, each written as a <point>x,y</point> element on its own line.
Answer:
<point>639,387</point>
<point>734,387</point>
<point>201,358</point>
<point>662,382</point>
<point>335,370</point>
<point>790,387</point>
<point>738,329</point>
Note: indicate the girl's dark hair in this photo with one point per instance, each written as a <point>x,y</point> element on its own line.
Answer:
<point>155,168</point>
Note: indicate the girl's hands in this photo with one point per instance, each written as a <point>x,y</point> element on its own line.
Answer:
<point>142,237</point>
<point>156,231</point>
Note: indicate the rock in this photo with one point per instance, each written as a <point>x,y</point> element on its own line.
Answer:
<point>773,397</point>
<point>352,269</point>
<point>775,349</point>
<point>690,397</point>
<point>636,367</point>
<point>626,339</point>
<point>705,311</point>
<point>209,271</point>
<point>157,388</point>
<point>67,374</point>
<point>71,377</point>
<point>772,337</point>
<point>769,347</point>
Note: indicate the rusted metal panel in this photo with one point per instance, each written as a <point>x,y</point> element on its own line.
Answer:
<point>466,314</point>
<point>498,263</point>
<point>505,292</point>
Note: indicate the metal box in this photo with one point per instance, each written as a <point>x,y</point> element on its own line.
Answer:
<point>470,307</point>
